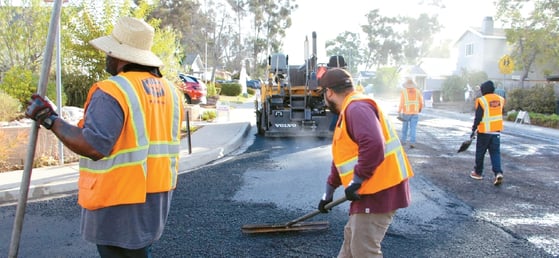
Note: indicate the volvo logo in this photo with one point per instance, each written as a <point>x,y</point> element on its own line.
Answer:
<point>285,125</point>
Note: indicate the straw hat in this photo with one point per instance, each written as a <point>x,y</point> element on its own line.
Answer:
<point>130,40</point>
<point>409,84</point>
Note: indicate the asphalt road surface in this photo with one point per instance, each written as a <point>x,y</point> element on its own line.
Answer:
<point>271,181</point>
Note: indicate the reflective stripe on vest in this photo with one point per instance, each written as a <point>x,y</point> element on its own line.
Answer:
<point>127,157</point>
<point>408,103</point>
<point>392,147</point>
<point>170,149</point>
<point>144,159</point>
<point>488,119</point>
<point>395,157</point>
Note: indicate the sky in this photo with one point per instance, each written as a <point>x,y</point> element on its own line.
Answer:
<point>332,17</point>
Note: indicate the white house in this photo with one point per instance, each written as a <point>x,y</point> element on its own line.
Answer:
<point>480,49</point>
<point>194,65</point>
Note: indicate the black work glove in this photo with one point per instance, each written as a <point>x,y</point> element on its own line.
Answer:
<point>473,135</point>
<point>41,110</point>
<point>351,191</point>
<point>323,203</point>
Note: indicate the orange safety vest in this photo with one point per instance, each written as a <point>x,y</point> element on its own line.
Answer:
<point>393,170</point>
<point>145,157</point>
<point>492,120</point>
<point>411,101</point>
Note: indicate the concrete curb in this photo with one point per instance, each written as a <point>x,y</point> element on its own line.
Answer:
<point>194,160</point>
<point>61,180</point>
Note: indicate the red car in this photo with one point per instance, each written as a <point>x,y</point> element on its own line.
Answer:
<point>194,89</point>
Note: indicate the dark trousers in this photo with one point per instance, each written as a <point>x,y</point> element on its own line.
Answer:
<point>491,142</point>
<point>108,251</point>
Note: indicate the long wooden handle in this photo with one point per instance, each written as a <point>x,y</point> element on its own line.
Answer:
<point>314,213</point>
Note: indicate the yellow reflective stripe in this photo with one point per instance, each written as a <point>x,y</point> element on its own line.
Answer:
<point>163,149</point>
<point>174,145</point>
<point>123,158</point>
<point>407,102</point>
<point>394,146</point>
<point>345,168</point>
<point>136,111</point>
<point>131,156</point>
<point>487,118</point>
<point>391,147</point>
<point>176,114</point>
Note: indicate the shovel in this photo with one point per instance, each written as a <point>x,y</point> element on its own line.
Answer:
<point>467,143</point>
<point>294,225</point>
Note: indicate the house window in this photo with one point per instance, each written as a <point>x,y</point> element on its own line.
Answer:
<point>469,49</point>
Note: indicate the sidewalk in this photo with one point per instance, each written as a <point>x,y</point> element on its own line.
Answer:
<point>210,142</point>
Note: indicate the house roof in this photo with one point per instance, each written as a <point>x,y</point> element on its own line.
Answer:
<point>497,34</point>
<point>414,70</point>
<point>190,59</point>
<point>436,67</point>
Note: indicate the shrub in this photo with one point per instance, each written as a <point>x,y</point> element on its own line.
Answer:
<point>21,83</point>
<point>453,88</point>
<point>231,89</point>
<point>9,107</point>
<point>211,89</point>
<point>209,115</point>
<point>537,99</point>
<point>551,121</point>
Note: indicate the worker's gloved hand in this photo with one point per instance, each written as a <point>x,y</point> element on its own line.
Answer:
<point>473,135</point>
<point>351,191</point>
<point>41,110</point>
<point>323,203</point>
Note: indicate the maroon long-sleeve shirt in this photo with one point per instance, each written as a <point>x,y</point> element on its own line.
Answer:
<point>364,128</point>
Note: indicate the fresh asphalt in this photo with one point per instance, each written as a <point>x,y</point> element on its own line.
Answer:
<point>210,142</point>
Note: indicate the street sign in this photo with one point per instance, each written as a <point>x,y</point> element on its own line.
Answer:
<point>506,64</point>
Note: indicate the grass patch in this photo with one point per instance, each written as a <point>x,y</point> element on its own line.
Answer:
<point>236,99</point>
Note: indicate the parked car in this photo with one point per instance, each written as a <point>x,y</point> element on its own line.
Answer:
<point>255,84</point>
<point>194,89</point>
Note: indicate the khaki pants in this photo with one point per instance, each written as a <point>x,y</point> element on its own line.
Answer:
<point>363,234</point>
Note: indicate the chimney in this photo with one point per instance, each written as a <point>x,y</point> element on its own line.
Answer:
<point>487,25</point>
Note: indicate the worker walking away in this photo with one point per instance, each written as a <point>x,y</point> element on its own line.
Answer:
<point>488,123</point>
<point>128,140</point>
<point>411,104</point>
<point>370,163</point>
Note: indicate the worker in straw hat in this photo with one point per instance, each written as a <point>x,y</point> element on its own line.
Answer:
<point>411,104</point>
<point>128,141</point>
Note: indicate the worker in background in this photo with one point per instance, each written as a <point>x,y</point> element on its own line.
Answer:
<point>335,62</point>
<point>488,123</point>
<point>501,92</point>
<point>128,141</point>
<point>411,104</point>
<point>370,163</point>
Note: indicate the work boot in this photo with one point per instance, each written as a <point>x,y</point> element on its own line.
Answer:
<point>476,176</point>
<point>498,179</point>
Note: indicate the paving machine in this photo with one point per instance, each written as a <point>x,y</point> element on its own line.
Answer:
<point>290,102</point>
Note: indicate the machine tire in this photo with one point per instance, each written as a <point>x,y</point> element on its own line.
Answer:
<point>187,99</point>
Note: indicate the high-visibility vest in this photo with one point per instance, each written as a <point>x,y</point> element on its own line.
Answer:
<point>395,167</point>
<point>145,157</point>
<point>492,120</point>
<point>411,101</point>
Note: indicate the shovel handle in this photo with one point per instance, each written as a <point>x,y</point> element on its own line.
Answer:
<point>314,213</point>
